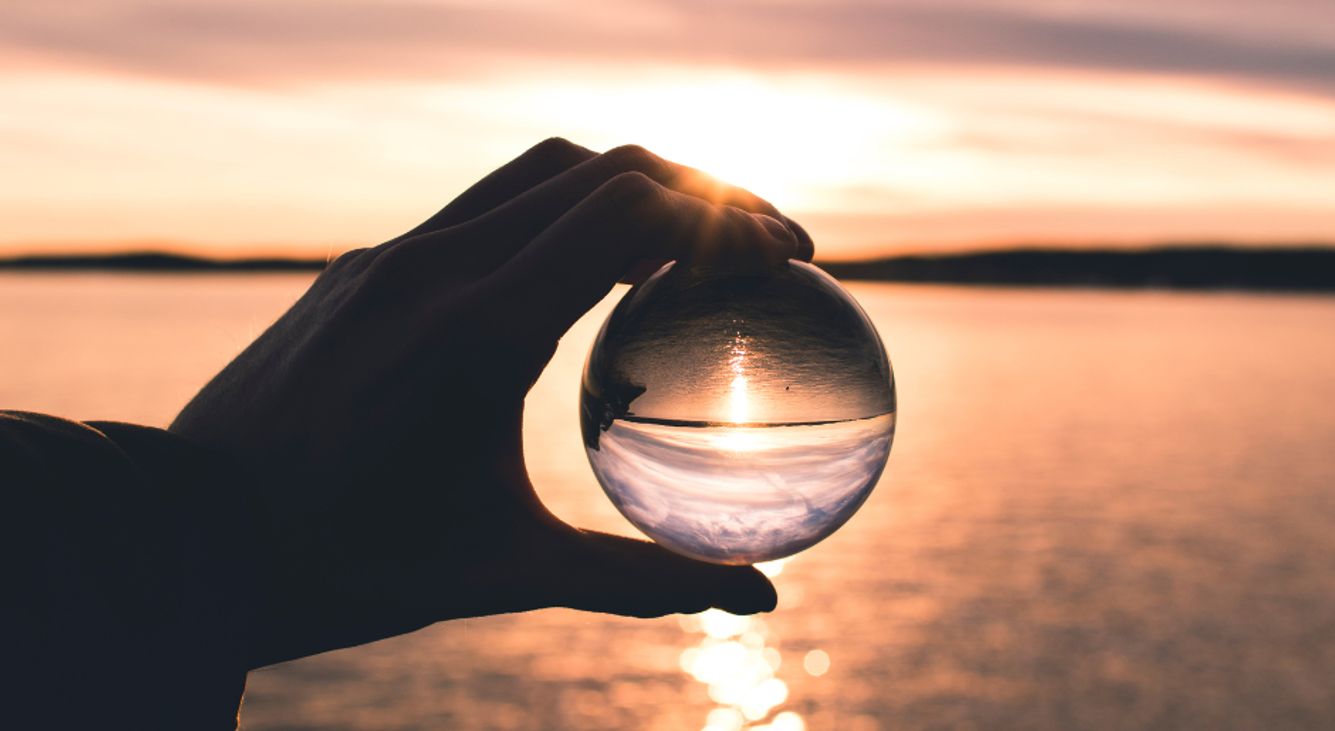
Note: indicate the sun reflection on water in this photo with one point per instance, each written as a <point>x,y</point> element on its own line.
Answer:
<point>739,402</point>
<point>738,662</point>
<point>739,409</point>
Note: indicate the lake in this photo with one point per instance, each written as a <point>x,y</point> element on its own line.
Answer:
<point>1103,509</point>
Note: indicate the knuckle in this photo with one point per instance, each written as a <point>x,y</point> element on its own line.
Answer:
<point>346,259</point>
<point>345,266</point>
<point>634,157</point>
<point>737,217</point>
<point>740,223</point>
<point>632,189</point>
<point>382,269</point>
<point>391,268</point>
<point>554,148</point>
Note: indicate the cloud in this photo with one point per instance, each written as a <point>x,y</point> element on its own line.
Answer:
<point>296,41</point>
<point>986,36</point>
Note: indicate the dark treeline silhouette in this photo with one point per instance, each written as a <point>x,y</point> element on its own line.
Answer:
<point>1294,268</point>
<point>1308,268</point>
<point>156,261</point>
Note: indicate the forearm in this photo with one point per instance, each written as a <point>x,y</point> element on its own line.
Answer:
<point>133,571</point>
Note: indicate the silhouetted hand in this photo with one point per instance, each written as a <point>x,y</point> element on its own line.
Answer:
<point>383,410</point>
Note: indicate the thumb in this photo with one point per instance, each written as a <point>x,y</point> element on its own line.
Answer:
<point>626,576</point>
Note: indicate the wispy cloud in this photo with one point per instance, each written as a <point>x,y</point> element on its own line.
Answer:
<point>919,123</point>
<point>296,40</point>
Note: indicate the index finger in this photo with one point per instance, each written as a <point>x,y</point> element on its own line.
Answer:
<point>537,164</point>
<point>508,228</point>
<point>575,262</point>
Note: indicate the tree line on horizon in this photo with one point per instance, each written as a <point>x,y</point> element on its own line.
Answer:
<point>1214,266</point>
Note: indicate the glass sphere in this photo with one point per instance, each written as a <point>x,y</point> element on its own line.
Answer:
<point>738,416</point>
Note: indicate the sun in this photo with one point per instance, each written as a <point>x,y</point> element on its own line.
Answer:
<point>739,406</point>
<point>745,133</point>
<point>795,141</point>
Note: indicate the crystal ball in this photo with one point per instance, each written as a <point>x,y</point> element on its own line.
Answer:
<point>738,416</point>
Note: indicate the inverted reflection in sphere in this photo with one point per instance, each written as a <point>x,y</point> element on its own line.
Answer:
<point>738,417</point>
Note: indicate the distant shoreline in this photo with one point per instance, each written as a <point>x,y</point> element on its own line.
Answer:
<point>1302,269</point>
<point>1299,268</point>
<point>155,261</point>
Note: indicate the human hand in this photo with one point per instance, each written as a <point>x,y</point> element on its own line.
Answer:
<point>384,409</point>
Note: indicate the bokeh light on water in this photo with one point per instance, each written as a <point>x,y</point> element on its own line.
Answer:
<point>737,659</point>
<point>734,662</point>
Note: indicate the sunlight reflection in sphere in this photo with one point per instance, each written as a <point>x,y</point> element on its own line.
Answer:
<point>737,417</point>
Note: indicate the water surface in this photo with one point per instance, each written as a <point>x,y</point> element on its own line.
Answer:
<point>1103,510</point>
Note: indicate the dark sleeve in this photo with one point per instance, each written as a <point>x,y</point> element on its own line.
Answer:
<point>131,566</point>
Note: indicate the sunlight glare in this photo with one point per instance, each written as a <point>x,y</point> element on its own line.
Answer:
<point>785,721</point>
<point>739,403</point>
<point>738,407</point>
<point>791,139</point>
<point>721,625</point>
<point>739,670</point>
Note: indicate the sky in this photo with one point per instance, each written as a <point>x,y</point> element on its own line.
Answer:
<point>306,127</point>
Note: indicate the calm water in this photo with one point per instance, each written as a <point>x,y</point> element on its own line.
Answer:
<point>1103,510</point>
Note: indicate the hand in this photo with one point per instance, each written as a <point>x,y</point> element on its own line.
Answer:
<point>383,410</point>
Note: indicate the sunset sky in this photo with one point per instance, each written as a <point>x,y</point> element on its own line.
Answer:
<point>308,126</point>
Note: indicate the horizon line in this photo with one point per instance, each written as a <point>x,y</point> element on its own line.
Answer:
<point>1217,266</point>
<point>155,252</point>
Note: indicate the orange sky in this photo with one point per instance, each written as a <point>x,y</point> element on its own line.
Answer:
<point>305,127</point>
